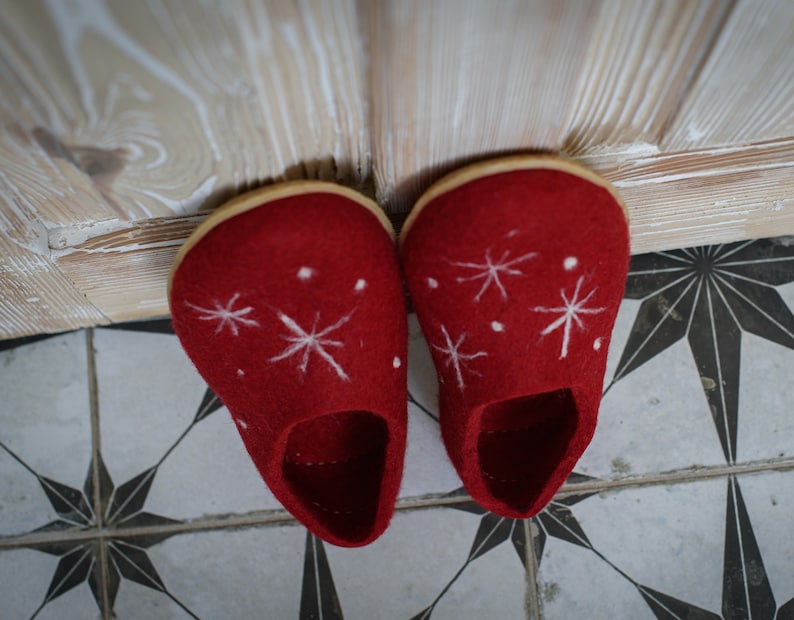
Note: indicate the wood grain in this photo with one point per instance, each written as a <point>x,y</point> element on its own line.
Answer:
<point>125,273</point>
<point>745,92</point>
<point>122,124</point>
<point>637,68</point>
<point>675,200</point>
<point>456,79</point>
<point>708,196</point>
<point>117,113</point>
<point>167,107</point>
<point>35,296</point>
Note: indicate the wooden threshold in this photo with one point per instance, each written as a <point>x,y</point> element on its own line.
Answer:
<point>675,200</point>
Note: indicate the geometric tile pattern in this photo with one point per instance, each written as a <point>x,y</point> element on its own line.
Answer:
<point>127,493</point>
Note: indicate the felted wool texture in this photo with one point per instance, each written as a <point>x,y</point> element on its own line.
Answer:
<point>516,279</point>
<point>309,356</point>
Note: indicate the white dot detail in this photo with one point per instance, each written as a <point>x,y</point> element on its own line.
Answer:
<point>243,424</point>
<point>361,284</point>
<point>240,372</point>
<point>497,326</point>
<point>570,263</point>
<point>597,343</point>
<point>304,273</point>
<point>397,362</point>
<point>432,283</point>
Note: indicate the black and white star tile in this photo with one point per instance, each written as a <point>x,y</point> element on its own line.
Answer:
<point>125,491</point>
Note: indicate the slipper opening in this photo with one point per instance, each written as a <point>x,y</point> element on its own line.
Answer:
<point>334,465</point>
<point>521,443</point>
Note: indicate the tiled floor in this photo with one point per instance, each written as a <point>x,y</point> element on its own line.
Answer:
<point>125,491</point>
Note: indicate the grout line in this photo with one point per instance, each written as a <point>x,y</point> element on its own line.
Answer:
<point>429,501</point>
<point>203,524</point>
<point>672,477</point>
<point>208,524</point>
<point>93,399</point>
<point>533,603</point>
<point>282,517</point>
<point>107,612</point>
<point>577,488</point>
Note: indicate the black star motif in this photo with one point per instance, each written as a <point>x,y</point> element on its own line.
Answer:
<point>746,592</point>
<point>492,532</point>
<point>556,520</point>
<point>710,295</point>
<point>117,511</point>
<point>318,593</point>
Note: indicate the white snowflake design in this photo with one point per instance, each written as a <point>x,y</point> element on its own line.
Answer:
<point>571,313</point>
<point>311,342</point>
<point>226,316</point>
<point>455,358</point>
<point>490,271</point>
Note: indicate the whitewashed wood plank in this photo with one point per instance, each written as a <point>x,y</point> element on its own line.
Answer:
<point>745,92</point>
<point>35,296</point>
<point>675,200</point>
<point>453,80</point>
<point>125,272</point>
<point>636,70</point>
<point>115,112</point>
<point>168,107</point>
<point>707,196</point>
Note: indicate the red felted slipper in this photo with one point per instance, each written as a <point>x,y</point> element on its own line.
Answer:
<point>516,268</point>
<point>289,301</point>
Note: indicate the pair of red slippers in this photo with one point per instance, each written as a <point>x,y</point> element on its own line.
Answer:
<point>289,300</point>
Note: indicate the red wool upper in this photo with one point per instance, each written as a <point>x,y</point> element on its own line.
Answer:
<point>516,269</point>
<point>289,302</point>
